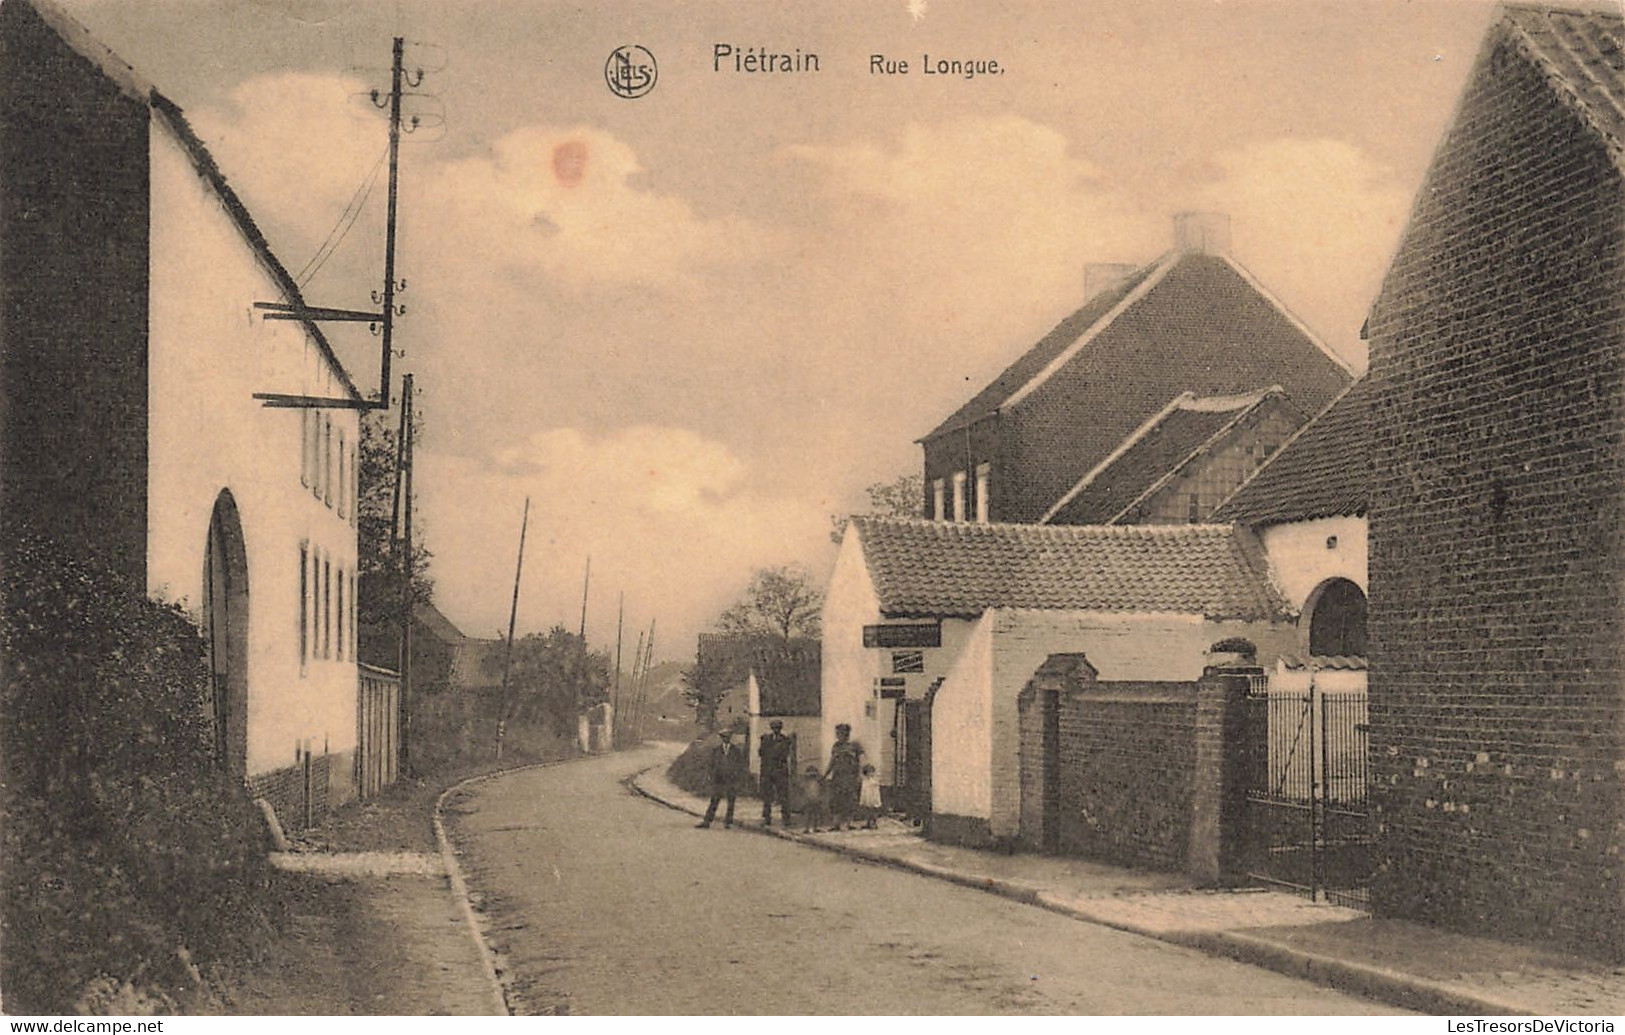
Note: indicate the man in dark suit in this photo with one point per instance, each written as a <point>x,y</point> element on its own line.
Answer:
<point>728,765</point>
<point>775,752</point>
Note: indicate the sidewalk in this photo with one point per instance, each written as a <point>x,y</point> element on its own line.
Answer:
<point>1405,964</point>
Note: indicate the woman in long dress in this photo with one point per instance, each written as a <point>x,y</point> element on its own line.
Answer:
<point>844,777</point>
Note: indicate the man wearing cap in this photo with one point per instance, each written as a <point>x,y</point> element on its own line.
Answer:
<point>775,751</point>
<point>727,765</point>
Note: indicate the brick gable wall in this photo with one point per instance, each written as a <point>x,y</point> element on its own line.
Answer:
<point>1498,726</point>
<point>73,298</point>
<point>1181,337</point>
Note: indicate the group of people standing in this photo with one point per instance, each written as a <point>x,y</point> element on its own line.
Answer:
<point>847,788</point>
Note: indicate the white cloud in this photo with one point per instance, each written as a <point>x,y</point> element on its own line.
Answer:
<point>561,203</point>
<point>551,202</point>
<point>1316,220</point>
<point>666,514</point>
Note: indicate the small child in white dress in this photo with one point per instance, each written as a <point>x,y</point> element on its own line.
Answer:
<point>869,797</point>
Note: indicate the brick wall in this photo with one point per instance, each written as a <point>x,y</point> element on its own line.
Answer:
<point>331,783</point>
<point>1496,522</point>
<point>1181,336</point>
<point>73,297</point>
<point>1128,761</point>
<point>963,451</point>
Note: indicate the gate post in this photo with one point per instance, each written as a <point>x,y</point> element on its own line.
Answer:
<point>1219,797</point>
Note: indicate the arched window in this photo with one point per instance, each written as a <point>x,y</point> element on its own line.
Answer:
<point>1337,621</point>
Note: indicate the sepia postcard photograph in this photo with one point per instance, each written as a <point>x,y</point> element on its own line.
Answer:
<point>837,508</point>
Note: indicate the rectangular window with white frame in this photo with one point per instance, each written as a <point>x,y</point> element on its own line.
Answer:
<point>959,495</point>
<point>327,461</point>
<point>344,477</point>
<point>327,608</point>
<point>984,489</point>
<point>342,613</point>
<point>315,603</point>
<point>307,421</point>
<point>939,501</point>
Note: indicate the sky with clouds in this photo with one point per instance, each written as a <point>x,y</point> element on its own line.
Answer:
<point>693,325</point>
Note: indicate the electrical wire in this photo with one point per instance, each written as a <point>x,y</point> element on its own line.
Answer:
<point>341,228</point>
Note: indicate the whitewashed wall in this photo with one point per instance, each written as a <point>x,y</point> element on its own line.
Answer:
<point>975,763</point>
<point>849,669</point>
<point>1300,560</point>
<point>961,729</point>
<point>209,352</point>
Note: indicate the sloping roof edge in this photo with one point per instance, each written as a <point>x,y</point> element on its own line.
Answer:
<point>1186,401</point>
<point>1110,458</point>
<point>1556,79</point>
<point>1272,392</point>
<point>203,161</point>
<point>1302,328</point>
<point>123,75</point>
<point>1127,302</point>
<point>1500,30</point>
<point>83,42</point>
<point>1286,446</point>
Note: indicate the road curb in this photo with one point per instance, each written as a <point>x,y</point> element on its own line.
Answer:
<point>1393,987</point>
<point>459,886</point>
<point>1381,984</point>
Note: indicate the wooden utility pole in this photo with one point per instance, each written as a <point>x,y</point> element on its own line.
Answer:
<point>513,615</point>
<point>642,684</point>
<point>615,688</point>
<point>404,502</point>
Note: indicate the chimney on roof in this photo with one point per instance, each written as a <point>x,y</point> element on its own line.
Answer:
<point>1099,277</point>
<point>1206,233</point>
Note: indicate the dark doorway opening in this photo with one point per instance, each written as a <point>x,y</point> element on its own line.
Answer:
<point>225,633</point>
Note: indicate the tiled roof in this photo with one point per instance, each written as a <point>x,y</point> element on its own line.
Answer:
<point>1581,52</point>
<point>1161,327</point>
<point>938,568</point>
<point>127,80</point>
<point>789,681</point>
<point>477,664</point>
<point>1186,429</point>
<point>1035,359</point>
<point>1321,471</point>
<point>431,620</point>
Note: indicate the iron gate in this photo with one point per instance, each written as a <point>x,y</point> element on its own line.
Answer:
<point>1308,822</point>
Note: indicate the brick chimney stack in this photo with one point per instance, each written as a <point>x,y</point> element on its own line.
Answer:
<point>1206,233</point>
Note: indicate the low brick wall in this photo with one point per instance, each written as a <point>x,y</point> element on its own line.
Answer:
<point>1127,767</point>
<point>331,783</point>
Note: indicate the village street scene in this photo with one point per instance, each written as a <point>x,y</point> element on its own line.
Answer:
<point>905,509</point>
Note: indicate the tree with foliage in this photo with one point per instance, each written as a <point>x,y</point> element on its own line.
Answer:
<point>781,602</point>
<point>704,684</point>
<point>378,598</point>
<point>552,678</point>
<point>780,606</point>
<point>904,497</point>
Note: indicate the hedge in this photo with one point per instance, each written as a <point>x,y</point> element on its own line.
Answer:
<point>129,859</point>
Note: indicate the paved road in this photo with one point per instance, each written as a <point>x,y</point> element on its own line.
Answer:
<point>602,902</point>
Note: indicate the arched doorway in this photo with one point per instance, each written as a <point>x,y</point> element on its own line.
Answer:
<point>225,633</point>
<point>1337,620</point>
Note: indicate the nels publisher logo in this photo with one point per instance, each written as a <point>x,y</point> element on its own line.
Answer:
<point>630,71</point>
